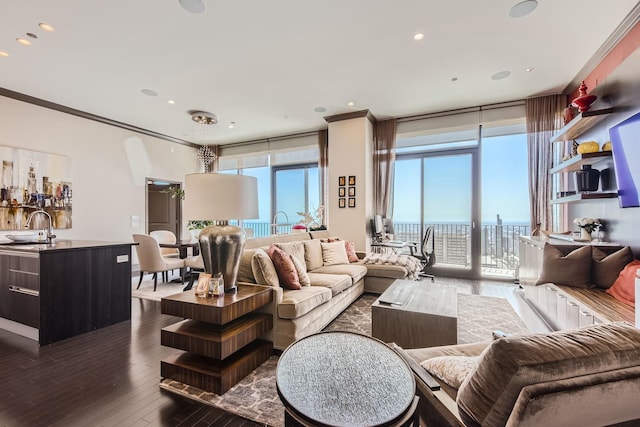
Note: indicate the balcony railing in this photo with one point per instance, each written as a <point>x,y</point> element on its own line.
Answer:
<point>499,248</point>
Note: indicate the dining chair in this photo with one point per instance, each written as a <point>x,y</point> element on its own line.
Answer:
<point>166,236</point>
<point>195,264</point>
<point>151,259</point>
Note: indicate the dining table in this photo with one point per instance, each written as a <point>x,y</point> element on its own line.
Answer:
<point>183,245</point>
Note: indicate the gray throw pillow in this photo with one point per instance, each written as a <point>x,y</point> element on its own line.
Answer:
<point>606,267</point>
<point>574,269</point>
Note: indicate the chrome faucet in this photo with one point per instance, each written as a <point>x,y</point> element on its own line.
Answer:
<point>50,235</point>
<point>274,226</point>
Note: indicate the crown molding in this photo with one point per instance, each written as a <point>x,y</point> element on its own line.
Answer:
<point>83,114</point>
<point>351,115</point>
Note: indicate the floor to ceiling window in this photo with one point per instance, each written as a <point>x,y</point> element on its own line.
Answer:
<point>287,174</point>
<point>295,189</point>
<point>471,186</point>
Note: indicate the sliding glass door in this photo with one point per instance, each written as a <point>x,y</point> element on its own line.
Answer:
<point>437,189</point>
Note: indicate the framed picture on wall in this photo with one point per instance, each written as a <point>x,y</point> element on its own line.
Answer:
<point>341,181</point>
<point>352,202</point>
<point>342,202</point>
<point>352,191</point>
<point>352,180</point>
<point>341,192</point>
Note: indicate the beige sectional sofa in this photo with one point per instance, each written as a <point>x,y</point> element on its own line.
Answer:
<point>299,313</point>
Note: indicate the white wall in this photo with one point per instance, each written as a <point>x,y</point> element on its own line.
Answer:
<point>104,193</point>
<point>350,153</point>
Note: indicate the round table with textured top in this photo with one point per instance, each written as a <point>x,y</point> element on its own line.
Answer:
<point>345,379</point>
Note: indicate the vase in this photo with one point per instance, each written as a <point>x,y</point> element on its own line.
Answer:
<point>585,235</point>
<point>583,101</point>
<point>587,179</point>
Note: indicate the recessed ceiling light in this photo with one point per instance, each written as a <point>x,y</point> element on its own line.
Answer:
<point>523,8</point>
<point>232,125</point>
<point>149,92</point>
<point>418,36</point>
<point>501,75</point>
<point>319,109</point>
<point>5,54</point>
<point>454,79</point>
<point>528,70</point>
<point>351,104</point>
<point>193,6</point>
<point>171,101</point>
<point>46,27</point>
<point>23,42</point>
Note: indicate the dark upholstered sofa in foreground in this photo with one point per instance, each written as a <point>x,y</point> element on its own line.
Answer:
<point>582,377</point>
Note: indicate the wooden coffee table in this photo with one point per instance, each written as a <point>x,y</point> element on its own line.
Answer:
<point>416,314</point>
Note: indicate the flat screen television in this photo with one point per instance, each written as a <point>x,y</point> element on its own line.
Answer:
<point>625,144</point>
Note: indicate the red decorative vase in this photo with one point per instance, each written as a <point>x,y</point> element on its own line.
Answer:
<point>584,101</point>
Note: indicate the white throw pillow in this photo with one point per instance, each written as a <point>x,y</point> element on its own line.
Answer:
<point>334,253</point>
<point>450,369</point>
<point>301,268</point>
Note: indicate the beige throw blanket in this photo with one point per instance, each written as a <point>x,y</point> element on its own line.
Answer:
<point>412,264</point>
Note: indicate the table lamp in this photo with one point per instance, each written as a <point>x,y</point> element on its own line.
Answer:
<point>220,198</point>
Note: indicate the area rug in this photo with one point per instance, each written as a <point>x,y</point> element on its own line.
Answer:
<point>256,397</point>
<point>146,288</point>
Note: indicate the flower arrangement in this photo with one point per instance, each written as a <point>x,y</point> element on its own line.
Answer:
<point>588,224</point>
<point>312,220</point>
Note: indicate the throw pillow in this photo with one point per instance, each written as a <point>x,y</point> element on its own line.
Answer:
<point>301,269</point>
<point>574,269</point>
<point>245,271</point>
<point>313,254</point>
<point>334,253</point>
<point>351,251</point>
<point>263,269</point>
<point>607,267</point>
<point>287,273</point>
<point>624,288</point>
<point>295,249</point>
<point>450,369</point>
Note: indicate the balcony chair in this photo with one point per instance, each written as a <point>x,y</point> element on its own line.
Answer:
<point>427,255</point>
<point>151,259</point>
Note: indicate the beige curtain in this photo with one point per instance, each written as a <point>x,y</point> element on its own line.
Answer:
<point>323,164</point>
<point>544,117</point>
<point>384,157</point>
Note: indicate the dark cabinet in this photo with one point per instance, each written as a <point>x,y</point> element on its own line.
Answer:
<point>66,291</point>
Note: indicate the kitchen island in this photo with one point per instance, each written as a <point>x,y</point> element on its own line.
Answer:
<point>53,291</point>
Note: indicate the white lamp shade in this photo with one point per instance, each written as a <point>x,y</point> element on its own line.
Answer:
<point>220,197</point>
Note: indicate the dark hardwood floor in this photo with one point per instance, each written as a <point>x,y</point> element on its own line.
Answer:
<point>110,377</point>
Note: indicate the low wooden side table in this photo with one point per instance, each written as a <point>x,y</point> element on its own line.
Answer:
<point>345,379</point>
<point>219,337</point>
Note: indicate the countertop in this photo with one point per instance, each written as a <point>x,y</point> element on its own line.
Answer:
<point>57,245</point>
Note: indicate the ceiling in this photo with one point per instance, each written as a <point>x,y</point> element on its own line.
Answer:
<point>267,66</point>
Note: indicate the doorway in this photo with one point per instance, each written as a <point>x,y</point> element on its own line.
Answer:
<point>164,212</point>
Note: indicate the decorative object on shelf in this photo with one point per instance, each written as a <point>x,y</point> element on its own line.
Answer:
<point>206,156</point>
<point>568,114</point>
<point>583,101</point>
<point>587,179</point>
<point>221,197</point>
<point>588,147</point>
<point>607,146</point>
<point>587,226</point>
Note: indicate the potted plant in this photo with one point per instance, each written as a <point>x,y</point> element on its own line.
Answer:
<point>313,221</point>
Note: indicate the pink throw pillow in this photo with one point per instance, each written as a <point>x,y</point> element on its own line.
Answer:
<point>287,273</point>
<point>351,251</point>
<point>623,289</point>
